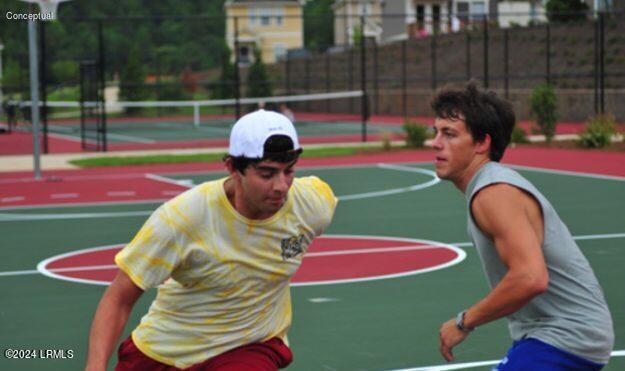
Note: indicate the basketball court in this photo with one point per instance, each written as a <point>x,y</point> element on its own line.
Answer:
<point>370,294</point>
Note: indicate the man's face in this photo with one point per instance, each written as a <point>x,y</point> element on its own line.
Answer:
<point>265,186</point>
<point>455,149</point>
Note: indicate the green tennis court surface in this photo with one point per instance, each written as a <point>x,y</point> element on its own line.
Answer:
<point>168,130</point>
<point>376,324</point>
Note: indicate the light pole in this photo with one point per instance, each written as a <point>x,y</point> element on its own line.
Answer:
<point>1,97</point>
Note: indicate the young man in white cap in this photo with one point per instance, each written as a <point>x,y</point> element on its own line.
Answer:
<point>222,255</point>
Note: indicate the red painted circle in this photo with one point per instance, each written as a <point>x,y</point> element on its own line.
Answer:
<point>329,259</point>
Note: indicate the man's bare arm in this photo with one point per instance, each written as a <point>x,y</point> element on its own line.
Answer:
<point>513,219</point>
<point>110,319</point>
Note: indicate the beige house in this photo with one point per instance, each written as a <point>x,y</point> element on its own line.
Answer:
<point>347,20</point>
<point>273,27</point>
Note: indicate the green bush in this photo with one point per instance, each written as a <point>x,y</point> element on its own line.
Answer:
<point>258,78</point>
<point>598,132</point>
<point>543,104</point>
<point>416,134</point>
<point>566,10</point>
<point>387,144</point>
<point>519,135</point>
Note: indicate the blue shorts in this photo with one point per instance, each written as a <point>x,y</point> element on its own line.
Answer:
<point>535,355</point>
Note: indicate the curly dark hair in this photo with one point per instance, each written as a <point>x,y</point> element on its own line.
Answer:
<point>482,111</point>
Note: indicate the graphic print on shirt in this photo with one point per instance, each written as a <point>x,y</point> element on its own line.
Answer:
<point>292,246</point>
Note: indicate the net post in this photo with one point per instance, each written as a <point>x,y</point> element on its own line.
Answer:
<point>196,115</point>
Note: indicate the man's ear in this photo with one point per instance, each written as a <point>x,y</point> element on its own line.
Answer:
<point>229,167</point>
<point>483,146</point>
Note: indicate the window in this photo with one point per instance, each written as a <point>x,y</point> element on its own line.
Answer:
<point>244,54</point>
<point>279,51</point>
<point>265,17</point>
<point>420,17</point>
<point>478,11</point>
<point>364,9</point>
<point>462,11</point>
<point>252,16</point>
<point>279,16</point>
<point>436,18</point>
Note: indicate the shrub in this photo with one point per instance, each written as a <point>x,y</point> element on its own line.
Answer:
<point>598,132</point>
<point>416,134</point>
<point>387,144</point>
<point>519,135</point>
<point>543,103</point>
<point>566,10</point>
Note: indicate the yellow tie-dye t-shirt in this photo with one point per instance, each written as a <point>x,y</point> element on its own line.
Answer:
<point>223,279</point>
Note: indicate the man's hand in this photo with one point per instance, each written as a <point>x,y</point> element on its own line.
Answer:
<point>450,336</point>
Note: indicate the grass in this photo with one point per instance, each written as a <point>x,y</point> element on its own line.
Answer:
<point>207,157</point>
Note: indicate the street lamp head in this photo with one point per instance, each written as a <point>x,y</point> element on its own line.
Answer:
<point>47,8</point>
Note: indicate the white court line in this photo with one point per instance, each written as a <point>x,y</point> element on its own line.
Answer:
<point>461,366</point>
<point>12,199</point>
<point>577,238</point>
<point>28,217</point>
<point>455,244</point>
<point>162,179</point>
<point>394,191</point>
<point>130,138</point>
<point>567,172</point>
<point>185,183</point>
<point>56,196</point>
<point>370,251</point>
<point>461,255</point>
<point>121,193</point>
<point>171,193</point>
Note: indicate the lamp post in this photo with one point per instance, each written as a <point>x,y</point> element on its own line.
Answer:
<point>1,97</point>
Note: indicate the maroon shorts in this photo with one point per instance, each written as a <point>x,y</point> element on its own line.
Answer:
<point>266,356</point>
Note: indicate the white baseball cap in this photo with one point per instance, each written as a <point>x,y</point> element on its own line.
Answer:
<point>250,132</point>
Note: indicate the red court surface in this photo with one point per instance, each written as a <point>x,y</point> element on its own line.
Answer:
<point>330,259</point>
<point>115,184</point>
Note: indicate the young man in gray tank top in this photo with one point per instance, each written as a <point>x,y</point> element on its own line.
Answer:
<point>540,281</point>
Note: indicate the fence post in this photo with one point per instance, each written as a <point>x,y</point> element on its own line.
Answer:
<point>102,83</point>
<point>307,81</point>
<point>287,74</point>
<point>404,108</point>
<point>548,61</point>
<point>363,79</point>
<point>327,73</point>
<point>237,92</point>
<point>596,67</point>
<point>486,72</point>
<point>433,59</point>
<point>376,88</point>
<point>506,64</point>
<point>602,62</point>
<point>468,54</point>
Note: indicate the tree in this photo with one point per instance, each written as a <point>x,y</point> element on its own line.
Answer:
<point>132,78</point>
<point>258,79</point>
<point>566,10</point>
<point>225,83</point>
<point>318,25</point>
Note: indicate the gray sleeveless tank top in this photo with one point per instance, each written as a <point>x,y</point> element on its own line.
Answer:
<point>572,314</point>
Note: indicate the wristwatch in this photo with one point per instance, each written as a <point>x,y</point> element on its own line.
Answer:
<point>460,322</point>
